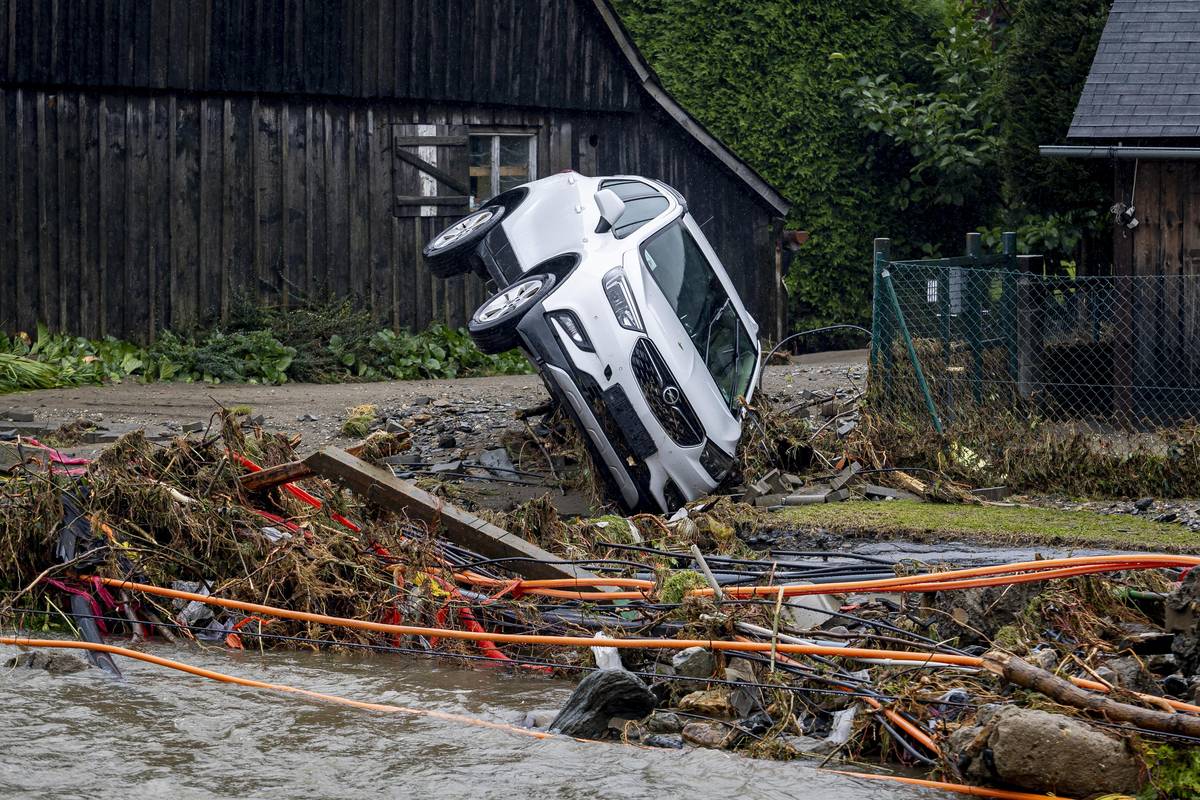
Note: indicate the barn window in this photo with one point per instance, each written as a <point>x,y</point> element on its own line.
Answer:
<point>500,161</point>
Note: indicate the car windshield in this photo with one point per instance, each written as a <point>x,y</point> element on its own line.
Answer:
<point>679,267</point>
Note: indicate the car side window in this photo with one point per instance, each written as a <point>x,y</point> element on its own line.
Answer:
<point>642,203</point>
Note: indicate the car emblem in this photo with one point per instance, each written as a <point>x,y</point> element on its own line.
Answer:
<point>670,395</point>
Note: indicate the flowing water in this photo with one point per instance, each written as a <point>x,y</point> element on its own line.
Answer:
<point>163,734</point>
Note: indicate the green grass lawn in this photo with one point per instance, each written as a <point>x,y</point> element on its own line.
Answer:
<point>1002,525</point>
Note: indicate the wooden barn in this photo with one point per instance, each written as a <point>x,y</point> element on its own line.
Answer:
<point>1140,110</point>
<point>160,159</point>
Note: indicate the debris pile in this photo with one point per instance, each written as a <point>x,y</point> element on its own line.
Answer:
<point>683,635</point>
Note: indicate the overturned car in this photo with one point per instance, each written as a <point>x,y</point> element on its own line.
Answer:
<point>610,287</point>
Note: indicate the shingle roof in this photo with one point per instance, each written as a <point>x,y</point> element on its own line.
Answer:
<point>1145,79</point>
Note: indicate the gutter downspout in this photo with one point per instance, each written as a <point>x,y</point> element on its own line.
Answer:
<point>1120,152</point>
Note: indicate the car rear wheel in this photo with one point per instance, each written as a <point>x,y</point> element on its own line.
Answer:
<point>494,324</point>
<point>452,252</point>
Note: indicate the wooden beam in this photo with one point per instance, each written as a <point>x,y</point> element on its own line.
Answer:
<point>436,172</point>
<point>456,525</point>
<point>270,477</point>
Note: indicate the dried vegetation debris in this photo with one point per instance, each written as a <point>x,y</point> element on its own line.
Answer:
<point>179,515</point>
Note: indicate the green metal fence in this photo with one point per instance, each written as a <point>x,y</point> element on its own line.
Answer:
<point>956,338</point>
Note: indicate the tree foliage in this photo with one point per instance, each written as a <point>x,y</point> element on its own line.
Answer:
<point>765,78</point>
<point>913,119</point>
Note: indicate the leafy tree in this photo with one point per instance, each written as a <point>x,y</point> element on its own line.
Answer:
<point>1061,202</point>
<point>760,76</point>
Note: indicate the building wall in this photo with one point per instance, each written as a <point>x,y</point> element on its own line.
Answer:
<point>128,212</point>
<point>1162,307</point>
<point>547,53</point>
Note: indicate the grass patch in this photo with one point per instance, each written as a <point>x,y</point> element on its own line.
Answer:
<point>1001,525</point>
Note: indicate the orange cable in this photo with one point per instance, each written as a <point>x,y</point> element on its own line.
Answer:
<point>959,788</point>
<point>586,641</point>
<point>977,791</point>
<point>278,687</point>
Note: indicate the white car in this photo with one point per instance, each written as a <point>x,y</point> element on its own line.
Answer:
<point>610,287</point>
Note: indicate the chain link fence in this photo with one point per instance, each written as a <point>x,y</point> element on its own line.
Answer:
<point>965,340</point>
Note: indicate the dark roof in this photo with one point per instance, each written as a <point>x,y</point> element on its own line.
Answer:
<point>1145,79</point>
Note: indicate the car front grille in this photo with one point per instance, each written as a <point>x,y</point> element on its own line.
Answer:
<point>664,396</point>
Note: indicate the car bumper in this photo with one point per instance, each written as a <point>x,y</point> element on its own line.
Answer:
<point>619,423</point>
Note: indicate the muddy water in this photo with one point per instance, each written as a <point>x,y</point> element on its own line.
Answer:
<point>163,734</point>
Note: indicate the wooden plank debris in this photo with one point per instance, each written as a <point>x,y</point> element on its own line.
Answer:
<point>456,525</point>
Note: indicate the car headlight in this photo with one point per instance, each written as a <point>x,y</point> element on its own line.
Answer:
<point>716,462</point>
<point>616,289</point>
<point>570,325</point>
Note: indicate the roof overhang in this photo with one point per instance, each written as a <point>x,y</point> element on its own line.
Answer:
<point>650,83</point>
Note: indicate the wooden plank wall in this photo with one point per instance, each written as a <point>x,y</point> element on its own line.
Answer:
<point>548,53</point>
<point>1164,251</point>
<point>127,214</point>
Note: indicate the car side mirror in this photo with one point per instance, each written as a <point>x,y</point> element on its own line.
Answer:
<point>611,208</point>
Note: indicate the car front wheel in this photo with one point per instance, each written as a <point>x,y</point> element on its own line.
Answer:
<point>494,324</point>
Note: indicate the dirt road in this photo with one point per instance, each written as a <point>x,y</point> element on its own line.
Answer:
<point>471,408</point>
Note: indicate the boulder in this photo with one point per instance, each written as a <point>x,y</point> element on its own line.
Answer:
<point>600,696</point>
<point>1128,673</point>
<point>706,734</point>
<point>672,741</point>
<point>664,722</point>
<point>1042,752</point>
<point>694,662</point>
<point>710,703</point>
<point>57,664</point>
<point>976,615</point>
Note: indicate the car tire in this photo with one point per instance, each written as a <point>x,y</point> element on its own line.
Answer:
<point>493,326</point>
<point>452,251</point>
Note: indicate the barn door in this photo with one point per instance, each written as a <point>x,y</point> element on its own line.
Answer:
<point>430,174</point>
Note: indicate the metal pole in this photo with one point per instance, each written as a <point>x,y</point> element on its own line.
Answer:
<point>881,339</point>
<point>885,278</point>
<point>974,315</point>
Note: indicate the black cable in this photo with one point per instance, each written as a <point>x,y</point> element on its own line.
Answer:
<point>797,334</point>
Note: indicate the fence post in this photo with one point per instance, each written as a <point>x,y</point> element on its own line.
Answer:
<point>881,347</point>
<point>1012,331</point>
<point>1029,326</point>
<point>974,317</point>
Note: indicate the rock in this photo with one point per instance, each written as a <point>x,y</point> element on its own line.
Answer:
<point>394,426</point>
<point>1167,516</point>
<point>540,719</point>
<point>984,611</point>
<point>1183,620</point>
<point>1042,752</point>
<point>694,662</point>
<point>1175,685</point>
<point>664,722</point>
<point>307,418</point>
<point>59,664</point>
<point>442,402</point>
<point>1162,664</point>
<point>598,698</point>
<point>672,741</point>
<point>194,427</point>
<point>710,703</point>
<point>421,419</point>
<point>17,416</point>
<point>447,441</point>
<point>1144,503</point>
<point>422,401</point>
<point>1128,673</point>
<point>756,724</point>
<point>706,734</point>
<point>1044,658</point>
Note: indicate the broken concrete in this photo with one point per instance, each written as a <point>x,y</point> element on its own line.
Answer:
<point>1042,752</point>
<point>57,664</point>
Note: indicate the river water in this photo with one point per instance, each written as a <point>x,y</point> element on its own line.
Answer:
<point>164,734</point>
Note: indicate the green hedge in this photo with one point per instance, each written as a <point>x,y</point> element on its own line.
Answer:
<point>765,77</point>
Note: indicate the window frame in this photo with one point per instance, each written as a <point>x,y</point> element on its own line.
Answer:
<point>494,151</point>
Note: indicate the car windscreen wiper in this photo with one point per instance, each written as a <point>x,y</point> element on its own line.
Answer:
<point>708,333</point>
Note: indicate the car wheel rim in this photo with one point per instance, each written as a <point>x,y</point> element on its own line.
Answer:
<point>464,227</point>
<point>508,301</point>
